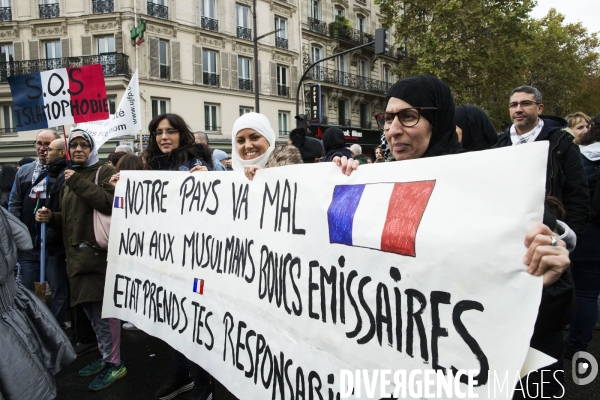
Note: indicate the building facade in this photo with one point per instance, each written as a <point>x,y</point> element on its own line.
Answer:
<point>197,59</point>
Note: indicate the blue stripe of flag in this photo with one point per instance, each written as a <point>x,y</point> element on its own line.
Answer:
<point>28,101</point>
<point>340,214</point>
<point>195,285</point>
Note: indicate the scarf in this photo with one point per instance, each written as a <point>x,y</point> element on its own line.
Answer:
<point>478,132</point>
<point>429,91</point>
<point>93,157</point>
<point>38,191</point>
<point>528,137</point>
<point>260,124</point>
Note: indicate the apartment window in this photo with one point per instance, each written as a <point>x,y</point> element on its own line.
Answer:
<point>211,117</point>
<point>281,35</point>
<point>209,16</point>
<point>315,9</point>
<point>163,59</point>
<point>158,9</point>
<point>387,74</point>
<point>49,9</point>
<point>244,73</point>
<point>343,114</point>
<point>112,105</point>
<point>53,54</point>
<point>363,75</point>
<point>6,119</point>
<point>243,22</point>
<point>6,57</point>
<point>283,118</point>
<point>361,23</point>
<point>343,70</point>
<point>159,106</point>
<point>317,54</point>
<point>106,44</point>
<point>339,12</point>
<point>282,85</point>
<point>209,68</point>
<point>365,116</point>
<point>245,110</point>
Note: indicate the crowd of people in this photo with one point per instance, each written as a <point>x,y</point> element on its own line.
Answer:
<point>59,194</point>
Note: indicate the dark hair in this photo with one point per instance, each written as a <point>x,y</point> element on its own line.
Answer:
<point>129,162</point>
<point>110,158</point>
<point>186,140</point>
<point>593,134</point>
<point>528,89</point>
<point>556,207</point>
<point>25,160</point>
<point>116,157</point>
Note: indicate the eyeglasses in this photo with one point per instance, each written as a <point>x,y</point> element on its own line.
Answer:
<point>408,117</point>
<point>523,104</point>
<point>168,132</point>
<point>83,145</point>
<point>45,145</point>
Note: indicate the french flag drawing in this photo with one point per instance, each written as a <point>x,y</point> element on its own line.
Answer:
<point>198,285</point>
<point>119,202</point>
<point>356,217</point>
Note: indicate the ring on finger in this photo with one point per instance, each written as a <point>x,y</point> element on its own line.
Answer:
<point>553,241</point>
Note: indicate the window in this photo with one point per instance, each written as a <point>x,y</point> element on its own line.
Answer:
<point>343,113</point>
<point>243,22</point>
<point>365,116</point>
<point>245,110</point>
<point>6,57</point>
<point>282,87</point>
<point>339,12</point>
<point>315,9</point>
<point>53,54</point>
<point>245,82</point>
<point>283,118</point>
<point>159,106</point>
<point>317,54</point>
<point>363,75</point>
<point>106,44</point>
<point>343,70</point>
<point>163,58</point>
<point>281,35</point>
<point>361,23</point>
<point>387,74</point>
<point>211,117</point>
<point>158,9</point>
<point>6,124</point>
<point>112,105</point>
<point>209,9</point>
<point>209,68</point>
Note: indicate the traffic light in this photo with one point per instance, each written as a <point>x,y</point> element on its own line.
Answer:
<point>137,33</point>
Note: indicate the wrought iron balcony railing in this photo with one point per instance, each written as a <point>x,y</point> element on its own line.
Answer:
<point>244,33</point>
<point>344,122</point>
<point>350,35</point>
<point>209,24</point>
<point>112,64</point>
<point>49,10</point>
<point>281,43</point>
<point>245,84</point>
<point>317,26</point>
<point>5,14</point>
<point>165,72</point>
<point>365,124</point>
<point>210,79</point>
<point>345,79</point>
<point>283,91</point>
<point>103,6</point>
<point>158,10</point>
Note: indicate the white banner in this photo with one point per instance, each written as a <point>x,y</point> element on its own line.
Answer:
<point>284,286</point>
<point>125,121</point>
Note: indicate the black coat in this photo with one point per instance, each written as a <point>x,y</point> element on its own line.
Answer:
<point>565,176</point>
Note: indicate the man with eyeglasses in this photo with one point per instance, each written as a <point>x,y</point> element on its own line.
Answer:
<point>29,191</point>
<point>565,177</point>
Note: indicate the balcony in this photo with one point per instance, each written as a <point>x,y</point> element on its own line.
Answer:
<point>209,24</point>
<point>158,11</point>
<point>210,79</point>
<point>245,84</point>
<point>352,36</point>
<point>365,124</point>
<point>317,26</point>
<point>244,33</point>
<point>113,64</point>
<point>283,91</point>
<point>345,79</point>
<point>165,72</point>
<point>281,43</point>
<point>5,14</point>
<point>49,11</point>
<point>103,6</point>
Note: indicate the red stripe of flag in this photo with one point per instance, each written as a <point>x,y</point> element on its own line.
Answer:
<point>88,93</point>
<point>201,286</point>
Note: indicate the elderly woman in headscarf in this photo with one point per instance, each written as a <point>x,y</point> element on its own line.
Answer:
<point>474,129</point>
<point>86,189</point>
<point>418,122</point>
<point>253,146</point>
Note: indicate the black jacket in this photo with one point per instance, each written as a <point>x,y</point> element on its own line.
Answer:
<point>565,176</point>
<point>56,179</point>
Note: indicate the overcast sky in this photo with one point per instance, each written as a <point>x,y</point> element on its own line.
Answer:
<point>586,11</point>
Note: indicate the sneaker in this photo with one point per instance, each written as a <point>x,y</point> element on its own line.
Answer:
<point>130,327</point>
<point>109,375</point>
<point>202,392</point>
<point>92,369</point>
<point>81,348</point>
<point>175,385</point>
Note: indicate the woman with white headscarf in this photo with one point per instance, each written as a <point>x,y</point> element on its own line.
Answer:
<point>86,259</point>
<point>253,146</point>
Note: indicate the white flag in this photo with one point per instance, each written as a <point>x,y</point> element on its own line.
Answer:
<point>125,121</point>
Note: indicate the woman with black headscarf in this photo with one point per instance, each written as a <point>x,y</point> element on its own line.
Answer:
<point>419,122</point>
<point>474,128</point>
<point>334,143</point>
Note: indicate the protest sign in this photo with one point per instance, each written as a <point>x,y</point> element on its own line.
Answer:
<point>58,97</point>
<point>281,285</point>
<point>126,120</point>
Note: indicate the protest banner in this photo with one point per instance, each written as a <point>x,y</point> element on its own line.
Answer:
<point>58,97</point>
<point>282,286</point>
<point>126,121</point>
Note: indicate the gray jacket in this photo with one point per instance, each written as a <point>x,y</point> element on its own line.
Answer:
<point>14,237</point>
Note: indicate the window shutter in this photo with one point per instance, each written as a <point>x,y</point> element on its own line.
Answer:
<point>118,42</point>
<point>197,65</point>
<point>34,49</point>
<point>65,47</point>
<point>294,82</point>
<point>154,62</point>
<point>175,61</point>
<point>225,70</point>
<point>273,78</point>
<point>235,83</point>
<point>18,50</point>
<point>86,45</point>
